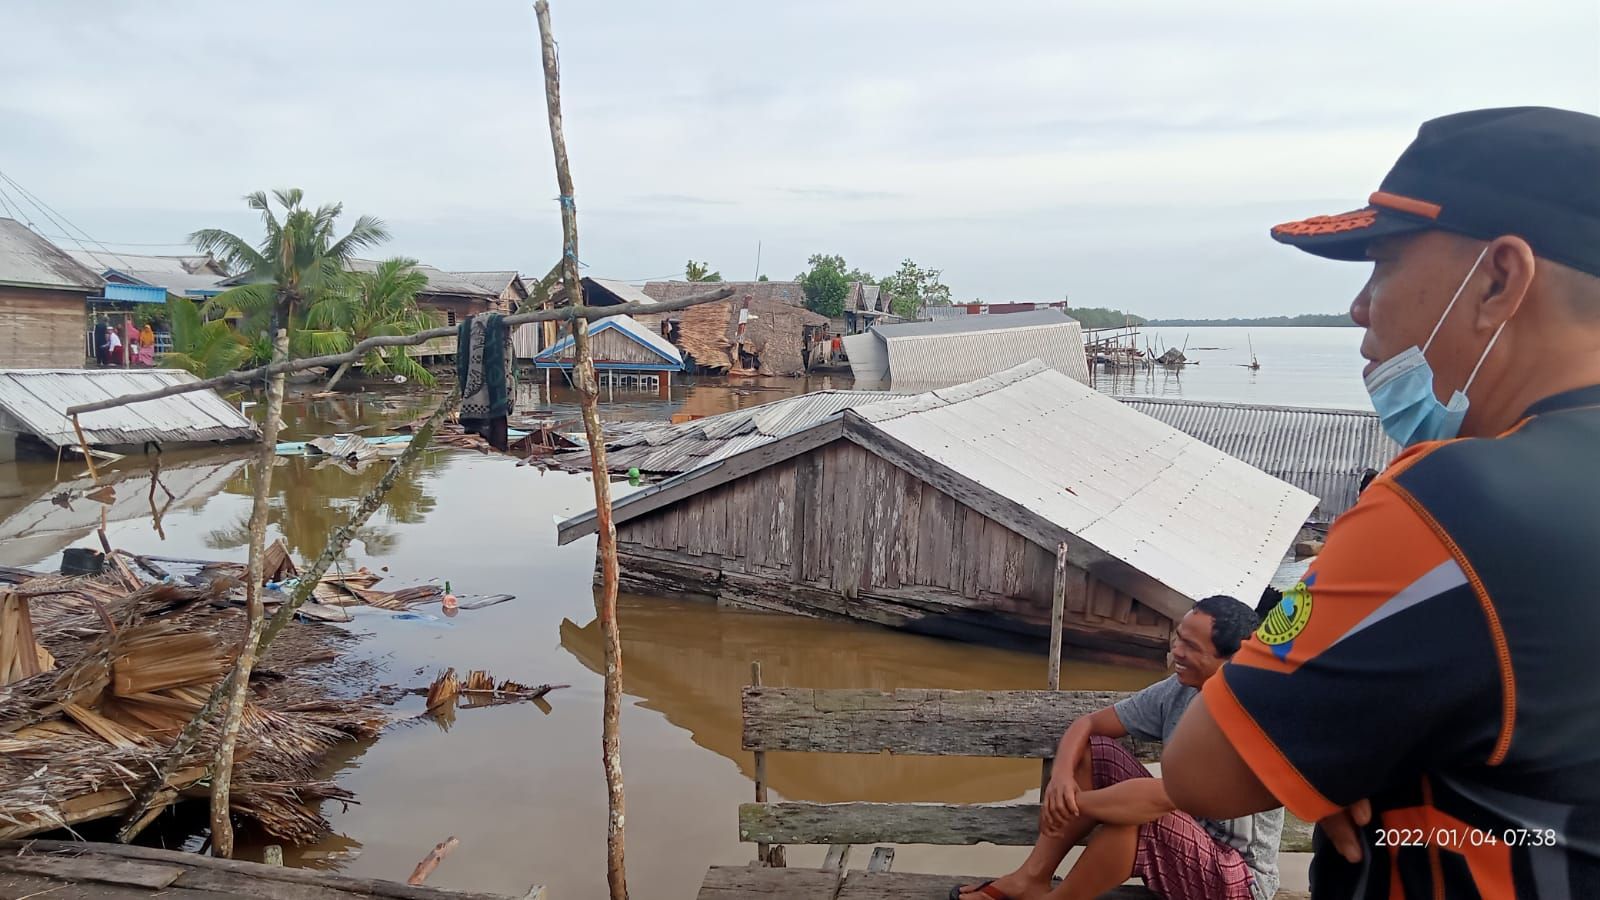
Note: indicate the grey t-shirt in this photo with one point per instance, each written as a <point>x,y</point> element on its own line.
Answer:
<point>1152,715</point>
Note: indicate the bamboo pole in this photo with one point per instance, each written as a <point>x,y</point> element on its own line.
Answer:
<point>588,396</point>
<point>1058,614</point>
<point>132,823</point>
<point>564,314</point>
<point>255,609</point>
<point>431,861</point>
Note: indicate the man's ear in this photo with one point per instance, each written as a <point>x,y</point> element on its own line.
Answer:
<point>1510,264</point>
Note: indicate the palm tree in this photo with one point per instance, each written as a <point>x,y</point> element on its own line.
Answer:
<point>382,302</point>
<point>297,261</point>
<point>700,271</point>
<point>204,349</point>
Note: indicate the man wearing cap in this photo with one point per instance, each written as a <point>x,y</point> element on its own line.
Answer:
<point>1429,691</point>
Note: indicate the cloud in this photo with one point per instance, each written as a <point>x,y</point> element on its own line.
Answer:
<point>1125,154</point>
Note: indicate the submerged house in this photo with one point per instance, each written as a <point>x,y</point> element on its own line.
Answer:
<point>531,338</point>
<point>43,301</point>
<point>624,352</point>
<point>943,512</point>
<point>967,347</point>
<point>33,404</point>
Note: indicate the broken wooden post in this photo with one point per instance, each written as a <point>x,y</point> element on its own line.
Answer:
<point>431,861</point>
<point>767,854</point>
<point>135,820</point>
<point>588,396</point>
<point>255,609</point>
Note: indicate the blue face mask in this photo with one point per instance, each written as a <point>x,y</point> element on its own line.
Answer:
<point>1402,388</point>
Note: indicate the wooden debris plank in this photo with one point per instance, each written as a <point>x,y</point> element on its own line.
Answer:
<point>742,882</point>
<point>882,859</point>
<point>913,886</point>
<point>89,868</point>
<point>942,824</point>
<point>1023,724</point>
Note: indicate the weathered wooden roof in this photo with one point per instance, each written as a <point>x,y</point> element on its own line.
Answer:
<point>33,401</point>
<point>28,260</point>
<point>1142,506</point>
<point>490,281</point>
<point>788,292</point>
<point>629,327</point>
<point>1324,452</point>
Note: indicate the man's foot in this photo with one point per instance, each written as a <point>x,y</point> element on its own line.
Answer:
<point>1015,886</point>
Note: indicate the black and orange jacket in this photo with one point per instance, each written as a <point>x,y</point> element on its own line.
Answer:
<point>1442,659</point>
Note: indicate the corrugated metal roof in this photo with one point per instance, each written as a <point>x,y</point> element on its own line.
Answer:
<point>669,449</point>
<point>134,293</point>
<point>1321,451</point>
<point>868,356</point>
<point>950,356</point>
<point>34,401</point>
<point>629,293</point>
<point>489,281</point>
<point>439,281</point>
<point>99,259</point>
<point>1174,508</point>
<point>28,260</point>
<point>968,324</point>
<point>627,325</point>
<point>182,283</point>
<point>941,313</point>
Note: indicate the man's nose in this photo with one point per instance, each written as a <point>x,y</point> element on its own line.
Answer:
<point>1360,308</point>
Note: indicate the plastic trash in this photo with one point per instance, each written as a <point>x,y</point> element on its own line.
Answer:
<point>633,476</point>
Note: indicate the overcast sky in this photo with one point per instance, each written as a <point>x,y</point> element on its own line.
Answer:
<point>1127,154</point>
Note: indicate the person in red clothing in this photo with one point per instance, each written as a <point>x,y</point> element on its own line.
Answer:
<point>1427,693</point>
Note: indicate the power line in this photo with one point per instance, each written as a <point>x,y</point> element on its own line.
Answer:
<point>124,243</point>
<point>61,222</point>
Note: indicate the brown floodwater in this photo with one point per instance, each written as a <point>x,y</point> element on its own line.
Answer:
<point>521,785</point>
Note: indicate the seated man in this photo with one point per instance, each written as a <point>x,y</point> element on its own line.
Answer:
<point>1101,792</point>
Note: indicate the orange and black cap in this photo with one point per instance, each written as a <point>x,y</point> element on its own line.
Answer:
<point>1528,171</point>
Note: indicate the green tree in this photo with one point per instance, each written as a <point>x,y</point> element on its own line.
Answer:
<point>825,285</point>
<point>1101,317</point>
<point>911,288</point>
<point>204,349</point>
<point>298,259</point>
<point>700,271</point>
<point>379,303</point>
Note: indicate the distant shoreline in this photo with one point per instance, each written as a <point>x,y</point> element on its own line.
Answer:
<point>1333,320</point>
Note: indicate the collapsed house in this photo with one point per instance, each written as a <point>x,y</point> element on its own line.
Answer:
<point>764,329</point>
<point>623,351</point>
<point>966,347</point>
<point>942,513</point>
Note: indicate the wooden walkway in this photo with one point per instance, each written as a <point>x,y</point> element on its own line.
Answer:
<point>63,870</point>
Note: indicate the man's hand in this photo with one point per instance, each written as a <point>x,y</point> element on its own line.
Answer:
<point>1343,828</point>
<point>1060,801</point>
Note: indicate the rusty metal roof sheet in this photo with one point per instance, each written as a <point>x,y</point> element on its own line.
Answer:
<point>669,449</point>
<point>33,401</point>
<point>1324,452</point>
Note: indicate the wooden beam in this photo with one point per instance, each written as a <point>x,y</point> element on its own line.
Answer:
<point>920,722</point>
<point>755,883</point>
<point>704,478</point>
<point>941,824</point>
<point>1018,518</point>
<point>914,886</point>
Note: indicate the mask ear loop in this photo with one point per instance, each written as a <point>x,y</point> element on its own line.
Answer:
<point>1452,305</point>
<point>1485,355</point>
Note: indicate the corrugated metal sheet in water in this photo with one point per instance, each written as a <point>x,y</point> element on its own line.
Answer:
<point>38,399</point>
<point>1321,451</point>
<point>946,358</point>
<point>1171,506</point>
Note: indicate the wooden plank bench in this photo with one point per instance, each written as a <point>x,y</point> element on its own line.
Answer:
<point>1011,724</point>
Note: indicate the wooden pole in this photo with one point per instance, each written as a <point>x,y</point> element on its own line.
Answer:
<point>1058,613</point>
<point>563,314</point>
<point>255,609</point>
<point>133,822</point>
<point>431,861</point>
<point>588,396</point>
<point>88,457</point>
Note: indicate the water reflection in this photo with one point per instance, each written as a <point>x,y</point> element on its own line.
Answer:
<point>689,661</point>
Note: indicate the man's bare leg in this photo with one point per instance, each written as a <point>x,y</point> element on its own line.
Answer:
<point>1106,862</point>
<point>1032,879</point>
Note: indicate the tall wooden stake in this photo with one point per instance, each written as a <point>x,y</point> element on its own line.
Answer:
<point>588,396</point>
<point>1058,614</point>
<point>255,610</point>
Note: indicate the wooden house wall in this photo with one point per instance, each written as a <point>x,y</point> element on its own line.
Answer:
<point>43,329</point>
<point>843,520</point>
<point>613,346</point>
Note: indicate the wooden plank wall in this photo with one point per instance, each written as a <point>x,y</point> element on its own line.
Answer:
<point>42,329</point>
<point>842,519</point>
<point>612,345</point>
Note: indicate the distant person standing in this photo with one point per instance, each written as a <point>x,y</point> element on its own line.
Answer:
<point>100,342</point>
<point>1427,692</point>
<point>132,335</point>
<point>147,345</point>
<point>112,347</point>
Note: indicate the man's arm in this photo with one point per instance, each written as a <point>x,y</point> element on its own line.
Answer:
<point>1205,776</point>
<point>1075,740</point>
